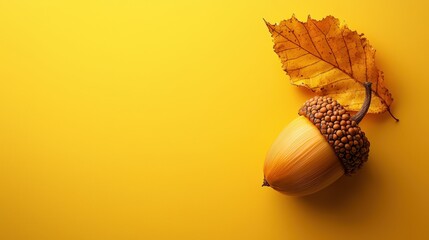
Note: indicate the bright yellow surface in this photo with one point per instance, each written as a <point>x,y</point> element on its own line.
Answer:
<point>151,120</point>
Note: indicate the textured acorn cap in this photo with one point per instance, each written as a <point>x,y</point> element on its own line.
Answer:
<point>343,133</point>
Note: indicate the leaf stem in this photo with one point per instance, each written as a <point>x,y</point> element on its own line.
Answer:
<point>391,114</point>
<point>365,106</point>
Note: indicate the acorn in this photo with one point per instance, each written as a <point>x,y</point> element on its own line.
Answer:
<point>317,148</point>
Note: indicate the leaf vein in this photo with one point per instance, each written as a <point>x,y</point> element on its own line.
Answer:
<point>327,42</point>
<point>348,52</point>
<point>323,72</point>
<point>293,32</point>
<point>311,39</point>
<point>294,58</point>
<point>308,65</point>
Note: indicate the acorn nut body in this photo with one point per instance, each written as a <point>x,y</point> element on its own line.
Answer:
<point>317,148</point>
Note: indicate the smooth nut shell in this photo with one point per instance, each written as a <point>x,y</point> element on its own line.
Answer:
<point>300,161</point>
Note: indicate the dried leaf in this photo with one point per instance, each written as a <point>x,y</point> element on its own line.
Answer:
<point>331,60</point>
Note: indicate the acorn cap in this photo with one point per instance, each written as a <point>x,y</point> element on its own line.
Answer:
<point>340,129</point>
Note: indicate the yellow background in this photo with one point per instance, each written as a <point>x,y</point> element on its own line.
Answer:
<point>151,120</point>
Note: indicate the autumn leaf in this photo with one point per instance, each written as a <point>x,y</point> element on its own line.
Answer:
<point>331,60</point>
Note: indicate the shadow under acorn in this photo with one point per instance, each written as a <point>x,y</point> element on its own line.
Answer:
<point>351,199</point>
